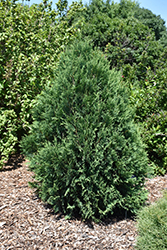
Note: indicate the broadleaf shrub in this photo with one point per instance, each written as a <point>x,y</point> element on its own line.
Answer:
<point>84,147</point>
<point>155,137</point>
<point>152,226</point>
<point>31,39</point>
<point>150,99</point>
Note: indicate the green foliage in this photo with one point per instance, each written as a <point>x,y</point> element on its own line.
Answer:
<point>99,17</point>
<point>132,38</point>
<point>152,226</point>
<point>83,145</point>
<point>8,120</point>
<point>134,41</point>
<point>131,43</point>
<point>150,100</point>
<point>127,8</point>
<point>31,39</point>
<point>155,137</point>
<point>156,23</point>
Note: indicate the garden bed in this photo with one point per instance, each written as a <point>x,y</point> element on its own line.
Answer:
<point>27,223</point>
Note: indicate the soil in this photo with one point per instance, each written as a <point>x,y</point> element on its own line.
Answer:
<point>28,223</point>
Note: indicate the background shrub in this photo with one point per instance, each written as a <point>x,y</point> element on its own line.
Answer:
<point>84,146</point>
<point>134,41</point>
<point>150,99</point>
<point>31,39</point>
<point>152,226</point>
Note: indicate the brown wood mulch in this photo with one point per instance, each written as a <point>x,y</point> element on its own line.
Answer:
<point>27,223</point>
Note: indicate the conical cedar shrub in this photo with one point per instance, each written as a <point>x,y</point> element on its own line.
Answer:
<point>84,146</point>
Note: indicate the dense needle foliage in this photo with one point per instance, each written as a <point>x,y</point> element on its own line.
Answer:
<point>84,147</point>
<point>134,41</point>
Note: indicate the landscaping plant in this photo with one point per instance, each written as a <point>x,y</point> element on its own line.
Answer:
<point>152,226</point>
<point>134,41</point>
<point>31,39</point>
<point>84,147</point>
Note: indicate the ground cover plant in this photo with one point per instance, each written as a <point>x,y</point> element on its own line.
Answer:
<point>84,147</point>
<point>152,226</point>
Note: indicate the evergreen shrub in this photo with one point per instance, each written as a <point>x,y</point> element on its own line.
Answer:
<point>84,147</point>
<point>133,39</point>
<point>152,226</point>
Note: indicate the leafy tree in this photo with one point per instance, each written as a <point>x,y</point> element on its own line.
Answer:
<point>84,147</point>
<point>130,44</point>
<point>129,38</point>
<point>154,22</point>
<point>31,39</point>
<point>126,40</point>
<point>127,8</point>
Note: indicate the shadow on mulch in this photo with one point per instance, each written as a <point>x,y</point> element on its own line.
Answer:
<point>117,216</point>
<point>14,162</point>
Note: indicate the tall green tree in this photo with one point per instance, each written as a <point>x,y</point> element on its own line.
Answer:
<point>154,22</point>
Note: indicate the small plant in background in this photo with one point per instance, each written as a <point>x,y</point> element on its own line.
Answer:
<point>84,147</point>
<point>152,226</point>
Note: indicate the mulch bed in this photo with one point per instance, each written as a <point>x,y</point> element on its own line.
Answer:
<point>28,223</point>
